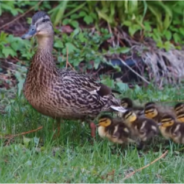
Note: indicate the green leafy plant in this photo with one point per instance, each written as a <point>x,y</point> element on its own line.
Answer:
<point>156,19</point>
<point>8,46</point>
<point>9,6</point>
<point>80,49</point>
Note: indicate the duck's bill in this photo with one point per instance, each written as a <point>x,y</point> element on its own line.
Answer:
<point>118,108</point>
<point>31,32</point>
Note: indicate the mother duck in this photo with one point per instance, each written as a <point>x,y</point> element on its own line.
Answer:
<point>61,93</point>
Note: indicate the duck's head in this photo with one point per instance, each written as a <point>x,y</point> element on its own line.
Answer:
<point>180,116</point>
<point>126,103</point>
<point>179,107</point>
<point>166,121</point>
<point>150,110</point>
<point>129,116</point>
<point>105,120</point>
<point>41,26</point>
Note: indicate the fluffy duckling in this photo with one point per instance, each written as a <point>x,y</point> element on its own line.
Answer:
<point>155,111</point>
<point>127,103</point>
<point>180,117</point>
<point>179,112</point>
<point>171,129</point>
<point>151,111</point>
<point>114,130</point>
<point>179,107</point>
<point>142,128</point>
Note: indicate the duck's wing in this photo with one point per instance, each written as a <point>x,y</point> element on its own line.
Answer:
<point>85,91</point>
<point>86,81</point>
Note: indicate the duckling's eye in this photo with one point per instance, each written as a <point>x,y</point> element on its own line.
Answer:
<point>148,111</point>
<point>104,120</point>
<point>164,120</point>
<point>127,116</point>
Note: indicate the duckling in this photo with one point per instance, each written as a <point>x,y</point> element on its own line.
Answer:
<point>180,116</point>
<point>61,93</point>
<point>151,112</point>
<point>155,111</point>
<point>114,130</point>
<point>179,107</point>
<point>171,129</point>
<point>179,112</point>
<point>142,128</point>
<point>127,103</point>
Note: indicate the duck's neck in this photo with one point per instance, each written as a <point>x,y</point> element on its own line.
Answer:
<point>43,68</point>
<point>45,43</point>
<point>43,58</point>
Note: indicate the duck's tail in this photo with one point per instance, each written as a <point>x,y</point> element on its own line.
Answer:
<point>118,108</point>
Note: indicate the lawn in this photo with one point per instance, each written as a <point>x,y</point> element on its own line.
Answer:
<point>38,157</point>
<point>91,38</point>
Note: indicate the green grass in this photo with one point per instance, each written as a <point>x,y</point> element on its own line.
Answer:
<point>37,157</point>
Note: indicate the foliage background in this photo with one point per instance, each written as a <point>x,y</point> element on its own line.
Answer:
<point>133,46</point>
<point>136,30</point>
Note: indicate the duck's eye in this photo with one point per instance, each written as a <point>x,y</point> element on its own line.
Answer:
<point>45,20</point>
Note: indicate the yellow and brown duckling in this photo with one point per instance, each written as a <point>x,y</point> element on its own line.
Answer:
<point>155,111</point>
<point>179,107</point>
<point>61,93</point>
<point>114,130</point>
<point>151,111</point>
<point>172,129</point>
<point>142,128</point>
<point>179,112</point>
<point>127,103</point>
<point>180,116</point>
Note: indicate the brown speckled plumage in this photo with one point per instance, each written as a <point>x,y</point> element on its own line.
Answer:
<point>172,129</point>
<point>114,130</point>
<point>61,93</point>
<point>142,128</point>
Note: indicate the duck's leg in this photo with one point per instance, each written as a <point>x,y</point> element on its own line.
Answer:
<point>140,146</point>
<point>57,128</point>
<point>93,129</point>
